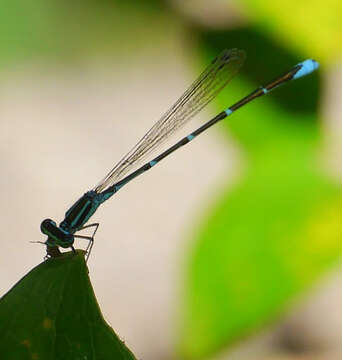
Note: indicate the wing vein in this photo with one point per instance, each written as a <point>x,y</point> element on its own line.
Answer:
<point>212,80</point>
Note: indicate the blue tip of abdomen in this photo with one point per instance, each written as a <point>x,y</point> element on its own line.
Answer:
<point>307,67</point>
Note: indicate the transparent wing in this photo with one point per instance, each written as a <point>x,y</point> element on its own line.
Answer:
<point>213,79</point>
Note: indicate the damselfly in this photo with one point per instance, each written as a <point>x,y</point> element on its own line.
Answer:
<point>214,78</point>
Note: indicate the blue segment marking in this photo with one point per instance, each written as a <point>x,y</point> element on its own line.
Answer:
<point>81,211</point>
<point>108,195</point>
<point>307,67</point>
<point>152,163</point>
<point>190,137</point>
<point>228,112</point>
<point>118,187</point>
<point>265,91</point>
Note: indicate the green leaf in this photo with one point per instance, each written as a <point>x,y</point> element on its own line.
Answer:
<point>52,313</point>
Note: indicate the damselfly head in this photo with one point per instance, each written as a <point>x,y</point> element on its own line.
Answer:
<point>56,235</point>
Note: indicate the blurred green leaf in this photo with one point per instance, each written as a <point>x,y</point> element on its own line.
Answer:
<point>76,31</point>
<point>265,241</point>
<point>52,314</point>
<point>312,28</point>
<point>279,228</point>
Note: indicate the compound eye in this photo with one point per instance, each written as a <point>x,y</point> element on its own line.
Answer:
<point>46,225</point>
<point>49,221</point>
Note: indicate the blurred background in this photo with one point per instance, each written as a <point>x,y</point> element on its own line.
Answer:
<point>229,249</point>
